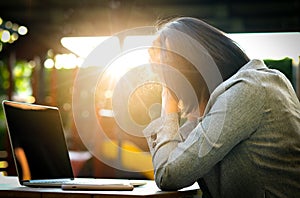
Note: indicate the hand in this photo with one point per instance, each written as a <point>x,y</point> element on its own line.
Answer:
<point>169,103</point>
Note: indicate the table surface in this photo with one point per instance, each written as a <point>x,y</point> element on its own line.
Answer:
<point>10,187</point>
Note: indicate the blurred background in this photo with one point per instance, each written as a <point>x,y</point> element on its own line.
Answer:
<point>43,43</point>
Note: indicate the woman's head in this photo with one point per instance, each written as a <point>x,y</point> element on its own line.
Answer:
<point>227,55</point>
<point>202,53</point>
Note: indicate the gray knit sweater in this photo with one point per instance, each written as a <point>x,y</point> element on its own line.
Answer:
<point>247,144</point>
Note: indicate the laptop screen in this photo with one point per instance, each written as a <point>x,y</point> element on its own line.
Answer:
<point>38,143</point>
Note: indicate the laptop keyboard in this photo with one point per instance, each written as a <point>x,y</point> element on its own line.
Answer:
<point>52,181</point>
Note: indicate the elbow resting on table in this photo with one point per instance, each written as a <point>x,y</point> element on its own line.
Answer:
<point>167,181</point>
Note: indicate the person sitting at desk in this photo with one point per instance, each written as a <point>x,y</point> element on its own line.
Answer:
<point>241,137</point>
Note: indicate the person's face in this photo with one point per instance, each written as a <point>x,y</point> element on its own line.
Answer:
<point>157,56</point>
<point>162,55</point>
<point>155,51</point>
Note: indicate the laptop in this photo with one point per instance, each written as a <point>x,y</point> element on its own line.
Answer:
<point>40,151</point>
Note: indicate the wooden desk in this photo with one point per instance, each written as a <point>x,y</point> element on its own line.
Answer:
<point>9,187</point>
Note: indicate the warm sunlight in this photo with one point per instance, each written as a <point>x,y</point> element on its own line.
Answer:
<point>127,61</point>
<point>82,46</point>
<point>256,45</point>
<point>132,53</point>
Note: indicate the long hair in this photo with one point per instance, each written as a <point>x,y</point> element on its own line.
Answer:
<point>193,47</point>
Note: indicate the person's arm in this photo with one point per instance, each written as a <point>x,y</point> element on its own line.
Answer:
<point>233,114</point>
<point>170,106</point>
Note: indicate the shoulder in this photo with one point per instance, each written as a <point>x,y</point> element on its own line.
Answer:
<point>246,87</point>
<point>257,72</point>
<point>249,79</point>
<point>255,75</point>
<point>253,72</point>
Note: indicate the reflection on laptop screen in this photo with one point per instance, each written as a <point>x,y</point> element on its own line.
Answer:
<point>38,141</point>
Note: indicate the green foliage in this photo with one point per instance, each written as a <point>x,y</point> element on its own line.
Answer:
<point>4,75</point>
<point>22,78</point>
<point>21,73</point>
<point>283,65</point>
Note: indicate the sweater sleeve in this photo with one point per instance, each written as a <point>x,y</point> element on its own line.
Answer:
<point>232,115</point>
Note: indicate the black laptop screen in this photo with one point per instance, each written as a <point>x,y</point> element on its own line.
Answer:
<point>38,141</point>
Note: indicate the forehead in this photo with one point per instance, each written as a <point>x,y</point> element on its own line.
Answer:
<point>155,48</point>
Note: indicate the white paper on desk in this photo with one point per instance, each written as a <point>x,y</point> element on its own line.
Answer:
<point>8,181</point>
<point>116,187</point>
